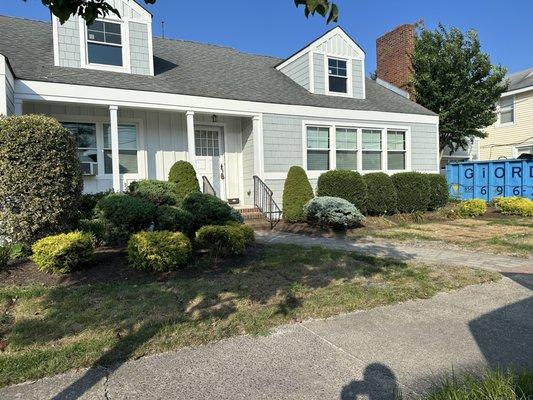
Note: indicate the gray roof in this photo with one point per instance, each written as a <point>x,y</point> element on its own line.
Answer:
<point>188,68</point>
<point>520,80</point>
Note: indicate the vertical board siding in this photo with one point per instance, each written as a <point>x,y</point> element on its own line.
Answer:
<point>298,71</point>
<point>319,73</point>
<point>357,79</point>
<point>139,48</point>
<point>69,43</point>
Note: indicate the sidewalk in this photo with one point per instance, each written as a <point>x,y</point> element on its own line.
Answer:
<point>374,353</point>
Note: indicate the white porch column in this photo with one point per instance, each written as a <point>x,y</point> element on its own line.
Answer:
<point>258,145</point>
<point>113,120</point>
<point>191,150</point>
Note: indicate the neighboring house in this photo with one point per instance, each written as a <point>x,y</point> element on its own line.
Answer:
<point>137,104</point>
<point>511,135</point>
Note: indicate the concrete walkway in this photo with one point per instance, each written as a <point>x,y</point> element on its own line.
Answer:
<point>371,354</point>
<point>432,253</point>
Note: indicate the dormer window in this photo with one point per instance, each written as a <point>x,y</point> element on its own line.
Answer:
<point>104,43</point>
<point>337,75</point>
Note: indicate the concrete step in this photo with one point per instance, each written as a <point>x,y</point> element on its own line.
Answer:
<point>258,225</point>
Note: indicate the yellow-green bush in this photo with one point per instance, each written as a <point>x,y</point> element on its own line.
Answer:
<point>472,208</point>
<point>224,240</point>
<point>159,251</point>
<point>63,253</point>
<point>514,205</point>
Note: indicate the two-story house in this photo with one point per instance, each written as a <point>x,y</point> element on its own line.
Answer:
<point>138,103</point>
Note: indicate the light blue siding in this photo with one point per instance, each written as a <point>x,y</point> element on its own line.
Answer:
<point>139,48</point>
<point>10,97</point>
<point>68,36</point>
<point>298,71</point>
<point>357,79</point>
<point>319,73</point>
<point>247,160</point>
<point>424,147</point>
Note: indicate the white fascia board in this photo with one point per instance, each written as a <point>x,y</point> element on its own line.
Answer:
<point>517,91</point>
<point>26,90</point>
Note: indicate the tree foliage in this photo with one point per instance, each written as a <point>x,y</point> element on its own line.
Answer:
<point>454,78</point>
<point>90,10</point>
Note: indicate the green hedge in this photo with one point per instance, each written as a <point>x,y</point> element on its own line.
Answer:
<point>297,191</point>
<point>412,189</point>
<point>348,185</point>
<point>224,240</point>
<point>438,191</point>
<point>207,210</point>
<point>63,253</point>
<point>170,218</point>
<point>182,173</point>
<point>159,251</point>
<point>40,178</point>
<point>382,198</point>
<point>157,192</point>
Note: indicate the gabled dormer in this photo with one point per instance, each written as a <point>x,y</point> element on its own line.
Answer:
<point>334,65</point>
<point>110,44</point>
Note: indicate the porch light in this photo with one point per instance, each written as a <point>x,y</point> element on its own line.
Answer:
<point>214,118</point>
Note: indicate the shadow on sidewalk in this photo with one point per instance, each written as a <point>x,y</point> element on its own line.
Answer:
<point>378,383</point>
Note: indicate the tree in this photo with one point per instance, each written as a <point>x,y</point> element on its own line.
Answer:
<point>454,78</point>
<point>89,10</point>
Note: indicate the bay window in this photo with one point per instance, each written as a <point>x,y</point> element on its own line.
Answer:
<point>371,149</point>
<point>85,136</point>
<point>127,149</point>
<point>317,148</point>
<point>346,144</point>
<point>395,150</point>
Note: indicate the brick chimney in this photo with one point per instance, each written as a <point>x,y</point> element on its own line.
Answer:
<point>393,51</point>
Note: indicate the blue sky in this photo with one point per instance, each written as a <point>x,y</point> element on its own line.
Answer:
<point>505,27</point>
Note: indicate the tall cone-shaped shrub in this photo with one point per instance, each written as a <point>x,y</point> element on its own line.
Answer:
<point>296,193</point>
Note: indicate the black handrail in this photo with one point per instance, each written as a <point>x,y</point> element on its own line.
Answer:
<point>207,188</point>
<point>264,201</point>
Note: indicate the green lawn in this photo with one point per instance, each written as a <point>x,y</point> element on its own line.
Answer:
<point>49,330</point>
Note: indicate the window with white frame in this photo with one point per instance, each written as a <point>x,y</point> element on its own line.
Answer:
<point>346,144</point>
<point>371,139</point>
<point>337,75</point>
<point>104,43</point>
<point>127,149</point>
<point>85,136</point>
<point>507,110</point>
<point>317,148</point>
<point>395,150</point>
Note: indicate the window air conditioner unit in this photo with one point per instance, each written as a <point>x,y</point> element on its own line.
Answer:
<point>89,168</point>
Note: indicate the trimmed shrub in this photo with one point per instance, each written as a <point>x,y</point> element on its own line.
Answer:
<point>170,218</point>
<point>157,192</point>
<point>122,215</point>
<point>99,228</point>
<point>438,191</point>
<point>183,175</point>
<point>514,206</point>
<point>63,253</point>
<point>472,208</point>
<point>236,216</point>
<point>88,203</point>
<point>332,212</point>
<point>40,178</point>
<point>207,210</point>
<point>412,189</point>
<point>224,240</point>
<point>297,191</point>
<point>348,185</point>
<point>159,251</point>
<point>382,198</point>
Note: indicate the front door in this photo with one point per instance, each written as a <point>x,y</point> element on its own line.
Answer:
<point>209,161</point>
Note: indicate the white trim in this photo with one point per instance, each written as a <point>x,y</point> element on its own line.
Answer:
<point>517,91</point>
<point>55,37</point>
<point>515,148</point>
<point>513,122</point>
<point>67,93</point>
<point>150,48</point>
<point>311,73</point>
<point>222,129</point>
<point>363,78</point>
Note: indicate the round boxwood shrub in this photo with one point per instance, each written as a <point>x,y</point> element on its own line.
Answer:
<point>63,253</point>
<point>438,191</point>
<point>296,193</point>
<point>182,173</point>
<point>88,204</point>
<point>224,240</point>
<point>412,189</point>
<point>332,212</point>
<point>40,178</point>
<point>158,192</point>
<point>207,210</point>
<point>159,251</point>
<point>382,198</point>
<point>171,218</point>
<point>472,208</point>
<point>348,185</point>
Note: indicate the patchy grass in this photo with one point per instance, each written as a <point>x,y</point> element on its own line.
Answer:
<point>508,385</point>
<point>49,330</point>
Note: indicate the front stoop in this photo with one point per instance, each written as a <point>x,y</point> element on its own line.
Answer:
<point>255,219</point>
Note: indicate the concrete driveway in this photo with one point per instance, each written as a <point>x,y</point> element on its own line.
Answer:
<point>365,355</point>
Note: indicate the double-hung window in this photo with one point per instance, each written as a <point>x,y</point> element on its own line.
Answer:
<point>104,43</point>
<point>127,149</point>
<point>337,75</point>
<point>346,143</point>
<point>395,150</point>
<point>507,110</point>
<point>317,148</point>
<point>371,149</point>
<point>85,136</point>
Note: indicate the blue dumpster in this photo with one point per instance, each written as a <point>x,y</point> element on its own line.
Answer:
<point>489,179</point>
